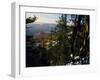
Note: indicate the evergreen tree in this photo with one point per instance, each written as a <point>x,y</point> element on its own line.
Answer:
<point>61,51</point>
<point>72,41</point>
<point>31,19</point>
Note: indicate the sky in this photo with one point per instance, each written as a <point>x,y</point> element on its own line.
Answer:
<point>44,17</point>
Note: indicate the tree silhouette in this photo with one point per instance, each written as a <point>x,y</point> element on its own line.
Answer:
<point>31,19</point>
<point>72,41</point>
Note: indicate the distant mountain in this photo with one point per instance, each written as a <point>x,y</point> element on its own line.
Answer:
<point>36,28</point>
